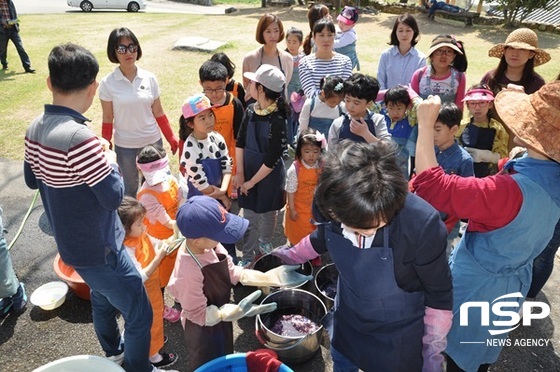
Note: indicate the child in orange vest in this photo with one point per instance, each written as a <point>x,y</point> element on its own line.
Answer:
<point>146,254</point>
<point>161,196</point>
<point>234,87</point>
<point>301,180</point>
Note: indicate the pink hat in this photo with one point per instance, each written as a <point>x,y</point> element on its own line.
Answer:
<point>194,105</point>
<point>479,95</point>
<point>348,16</point>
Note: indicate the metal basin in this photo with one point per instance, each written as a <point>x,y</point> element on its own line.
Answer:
<point>326,281</point>
<point>291,350</point>
<point>267,262</point>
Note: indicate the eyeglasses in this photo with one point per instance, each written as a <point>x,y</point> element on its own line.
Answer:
<point>445,52</point>
<point>477,104</point>
<point>132,48</point>
<point>212,91</point>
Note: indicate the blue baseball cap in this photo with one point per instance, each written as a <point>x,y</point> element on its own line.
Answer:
<point>204,217</point>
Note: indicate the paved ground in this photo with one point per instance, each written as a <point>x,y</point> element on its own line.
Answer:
<point>37,337</point>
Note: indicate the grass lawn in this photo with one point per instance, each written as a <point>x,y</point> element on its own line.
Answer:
<point>23,95</point>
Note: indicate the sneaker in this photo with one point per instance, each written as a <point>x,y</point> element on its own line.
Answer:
<point>317,262</point>
<point>171,314</point>
<point>156,369</point>
<point>6,305</point>
<point>20,298</point>
<point>30,70</point>
<point>168,359</point>
<point>119,358</point>
<point>234,195</point>
<point>266,248</point>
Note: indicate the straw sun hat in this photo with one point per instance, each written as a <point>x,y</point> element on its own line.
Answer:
<point>522,38</point>
<point>534,118</point>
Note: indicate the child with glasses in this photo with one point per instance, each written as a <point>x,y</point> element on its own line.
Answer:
<point>482,136</point>
<point>445,74</point>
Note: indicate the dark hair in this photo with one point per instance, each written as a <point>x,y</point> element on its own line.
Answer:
<point>527,78</point>
<point>130,211</point>
<point>361,185</point>
<point>303,140</point>
<point>212,71</point>
<point>323,23</point>
<point>450,114</point>
<point>151,153</point>
<point>315,13</point>
<point>398,93</point>
<point>362,86</point>
<point>460,62</point>
<point>278,97</point>
<point>72,68</point>
<point>185,127</point>
<point>489,114</point>
<point>330,86</point>
<point>224,60</point>
<point>409,20</point>
<point>296,32</point>
<point>115,38</point>
<point>266,20</point>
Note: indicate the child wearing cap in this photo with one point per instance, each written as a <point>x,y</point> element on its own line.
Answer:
<point>204,275</point>
<point>146,254</point>
<point>346,38</point>
<point>260,167</point>
<point>484,138</point>
<point>161,196</point>
<point>511,219</point>
<point>445,74</point>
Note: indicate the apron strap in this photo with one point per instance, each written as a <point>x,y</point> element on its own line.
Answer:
<point>192,255</point>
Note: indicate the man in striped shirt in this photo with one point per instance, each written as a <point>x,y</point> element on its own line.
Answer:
<point>81,190</point>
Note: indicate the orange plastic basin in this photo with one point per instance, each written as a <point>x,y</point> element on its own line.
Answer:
<point>71,277</point>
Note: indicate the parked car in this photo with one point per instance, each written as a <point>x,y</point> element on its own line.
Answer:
<point>88,5</point>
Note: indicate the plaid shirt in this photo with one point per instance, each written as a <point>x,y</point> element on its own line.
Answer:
<point>5,11</point>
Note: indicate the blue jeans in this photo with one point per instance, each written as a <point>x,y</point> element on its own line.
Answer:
<point>11,34</point>
<point>544,263</point>
<point>117,287</point>
<point>126,158</point>
<point>441,5</point>
<point>340,363</point>
<point>8,280</point>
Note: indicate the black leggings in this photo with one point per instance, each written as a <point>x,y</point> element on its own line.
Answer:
<point>453,367</point>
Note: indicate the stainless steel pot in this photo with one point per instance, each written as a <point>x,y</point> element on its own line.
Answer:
<point>291,350</point>
<point>268,261</point>
<point>325,279</point>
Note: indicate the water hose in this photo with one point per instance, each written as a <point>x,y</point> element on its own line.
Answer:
<point>18,233</point>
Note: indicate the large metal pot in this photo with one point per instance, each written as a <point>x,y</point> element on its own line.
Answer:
<point>268,262</point>
<point>291,350</point>
<point>326,281</point>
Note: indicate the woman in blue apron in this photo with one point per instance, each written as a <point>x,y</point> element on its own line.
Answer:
<point>389,249</point>
<point>260,176</point>
<point>510,221</point>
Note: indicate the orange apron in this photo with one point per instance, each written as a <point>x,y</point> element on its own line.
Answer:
<point>170,201</point>
<point>224,125</point>
<point>144,252</point>
<point>303,199</point>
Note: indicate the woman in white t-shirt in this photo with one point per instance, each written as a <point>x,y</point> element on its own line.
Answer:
<point>132,110</point>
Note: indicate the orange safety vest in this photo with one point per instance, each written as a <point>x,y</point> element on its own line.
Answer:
<point>303,199</point>
<point>170,201</point>
<point>144,253</point>
<point>224,125</point>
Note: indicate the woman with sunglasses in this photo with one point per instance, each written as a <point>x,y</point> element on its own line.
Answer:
<point>132,110</point>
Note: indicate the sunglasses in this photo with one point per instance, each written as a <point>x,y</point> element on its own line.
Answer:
<point>132,48</point>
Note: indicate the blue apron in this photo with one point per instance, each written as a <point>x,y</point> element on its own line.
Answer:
<point>375,324</point>
<point>491,264</point>
<point>479,138</point>
<point>350,52</point>
<point>400,134</point>
<point>267,195</point>
<point>345,132</point>
<point>320,124</point>
<point>213,170</point>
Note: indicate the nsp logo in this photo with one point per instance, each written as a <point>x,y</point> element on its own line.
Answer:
<point>498,309</point>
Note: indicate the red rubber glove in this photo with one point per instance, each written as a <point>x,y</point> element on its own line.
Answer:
<point>107,132</point>
<point>165,127</point>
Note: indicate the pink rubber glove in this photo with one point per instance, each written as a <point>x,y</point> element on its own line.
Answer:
<point>299,253</point>
<point>437,324</point>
